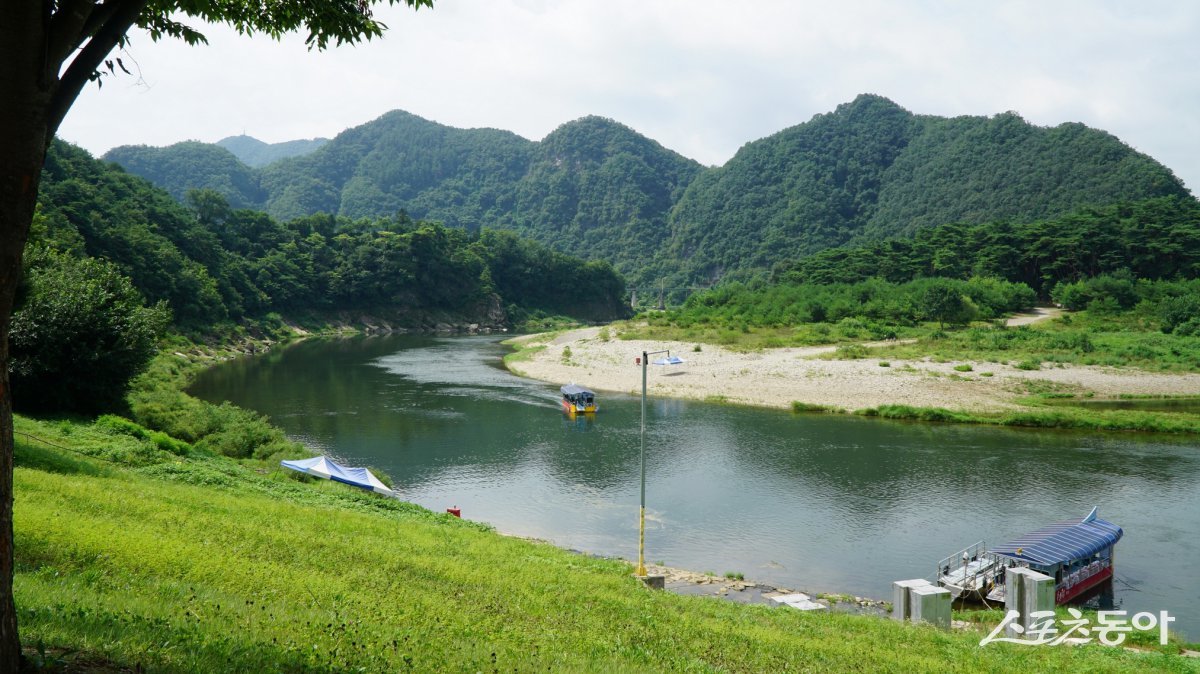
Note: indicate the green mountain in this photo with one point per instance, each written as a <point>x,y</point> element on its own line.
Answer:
<point>402,162</point>
<point>255,153</point>
<point>192,165</point>
<point>595,188</point>
<point>871,169</point>
<point>598,189</point>
<point>211,262</point>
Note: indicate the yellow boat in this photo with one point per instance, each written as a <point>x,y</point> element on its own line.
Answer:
<point>578,400</point>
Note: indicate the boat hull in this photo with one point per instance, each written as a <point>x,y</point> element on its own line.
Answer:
<point>577,409</point>
<point>1064,594</point>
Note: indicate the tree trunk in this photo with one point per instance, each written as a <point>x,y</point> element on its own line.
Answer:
<point>26,85</point>
<point>18,198</point>
<point>16,212</point>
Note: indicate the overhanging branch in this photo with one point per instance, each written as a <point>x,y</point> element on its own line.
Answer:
<point>88,60</point>
<point>67,31</point>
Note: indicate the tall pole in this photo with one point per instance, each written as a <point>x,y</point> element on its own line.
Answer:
<point>641,568</point>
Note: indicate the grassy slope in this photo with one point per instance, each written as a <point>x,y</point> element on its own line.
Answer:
<point>200,564</point>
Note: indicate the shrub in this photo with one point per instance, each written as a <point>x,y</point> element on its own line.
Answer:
<point>80,334</point>
<point>852,351</point>
<point>798,406</point>
<point>1189,328</point>
<point>1178,312</point>
<point>122,426</point>
<point>965,367</point>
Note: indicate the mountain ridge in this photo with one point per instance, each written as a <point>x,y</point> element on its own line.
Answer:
<point>256,153</point>
<point>595,187</point>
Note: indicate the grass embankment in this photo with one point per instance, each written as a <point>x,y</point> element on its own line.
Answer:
<point>167,562</point>
<point>1073,419</point>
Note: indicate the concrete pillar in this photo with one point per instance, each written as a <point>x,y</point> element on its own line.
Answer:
<point>1028,592</point>
<point>931,605</point>
<point>901,599</point>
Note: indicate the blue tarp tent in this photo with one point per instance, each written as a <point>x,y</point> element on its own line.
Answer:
<point>669,360</point>
<point>322,467</point>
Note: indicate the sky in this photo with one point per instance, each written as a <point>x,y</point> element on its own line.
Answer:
<point>701,77</point>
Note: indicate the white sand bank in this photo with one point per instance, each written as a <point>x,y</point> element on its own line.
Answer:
<point>777,377</point>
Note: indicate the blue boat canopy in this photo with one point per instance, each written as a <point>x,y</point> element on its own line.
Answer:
<point>321,467</point>
<point>1063,541</point>
<point>572,389</point>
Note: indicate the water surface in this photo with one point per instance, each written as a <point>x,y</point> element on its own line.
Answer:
<point>815,502</point>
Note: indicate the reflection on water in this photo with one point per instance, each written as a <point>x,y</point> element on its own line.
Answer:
<point>812,501</point>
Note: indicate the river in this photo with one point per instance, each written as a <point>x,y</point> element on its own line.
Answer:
<point>824,503</point>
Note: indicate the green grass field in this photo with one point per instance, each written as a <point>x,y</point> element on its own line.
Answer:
<point>132,557</point>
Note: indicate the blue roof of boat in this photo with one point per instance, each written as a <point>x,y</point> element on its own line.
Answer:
<point>572,389</point>
<point>1063,541</point>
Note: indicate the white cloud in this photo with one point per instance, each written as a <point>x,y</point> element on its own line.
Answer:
<point>702,77</point>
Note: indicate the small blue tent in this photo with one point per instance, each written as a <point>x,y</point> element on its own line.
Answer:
<point>322,467</point>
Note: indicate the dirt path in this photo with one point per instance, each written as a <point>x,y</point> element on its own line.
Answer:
<point>1036,316</point>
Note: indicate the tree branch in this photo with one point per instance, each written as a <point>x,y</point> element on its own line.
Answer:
<point>85,63</point>
<point>99,15</point>
<point>65,31</point>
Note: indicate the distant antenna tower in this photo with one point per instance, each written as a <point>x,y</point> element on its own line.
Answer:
<point>662,305</point>
<point>633,299</point>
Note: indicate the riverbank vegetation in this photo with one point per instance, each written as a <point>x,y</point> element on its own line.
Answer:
<point>130,556</point>
<point>1131,271</point>
<point>1058,417</point>
<point>1154,239</point>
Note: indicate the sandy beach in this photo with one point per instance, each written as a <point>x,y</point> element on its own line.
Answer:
<point>777,377</point>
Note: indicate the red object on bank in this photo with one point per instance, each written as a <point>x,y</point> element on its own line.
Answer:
<point>637,361</point>
<point>456,511</point>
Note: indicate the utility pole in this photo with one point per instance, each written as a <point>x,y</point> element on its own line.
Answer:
<point>641,567</point>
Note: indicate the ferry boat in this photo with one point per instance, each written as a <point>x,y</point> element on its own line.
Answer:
<point>1077,554</point>
<point>578,400</point>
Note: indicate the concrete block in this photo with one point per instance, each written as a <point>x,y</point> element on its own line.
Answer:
<point>654,582</point>
<point>931,605</point>
<point>799,600</point>
<point>901,601</point>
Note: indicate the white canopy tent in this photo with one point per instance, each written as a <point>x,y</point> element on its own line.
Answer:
<point>320,466</point>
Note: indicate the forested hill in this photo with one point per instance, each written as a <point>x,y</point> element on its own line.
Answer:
<point>192,165</point>
<point>871,169</point>
<point>868,170</point>
<point>253,152</point>
<point>592,187</point>
<point>211,262</point>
